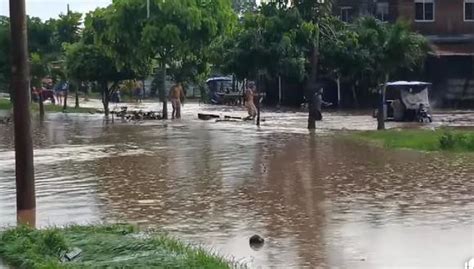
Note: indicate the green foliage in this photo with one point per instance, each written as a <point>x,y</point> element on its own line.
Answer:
<point>113,246</point>
<point>5,104</point>
<point>274,41</point>
<point>38,69</point>
<point>426,140</point>
<point>244,6</point>
<point>40,36</point>
<point>177,34</point>
<point>455,141</point>
<point>4,53</point>
<point>66,29</point>
<point>392,47</point>
<point>24,247</point>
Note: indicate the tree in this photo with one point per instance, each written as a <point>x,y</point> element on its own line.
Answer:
<point>88,63</point>
<point>243,6</point>
<point>5,71</point>
<point>315,14</point>
<point>342,55</point>
<point>38,70</point>
<point>40,36</point>
<point>393,47</point>
<point>175,30</point>
<point>66,29</point>
<point>275,41</point>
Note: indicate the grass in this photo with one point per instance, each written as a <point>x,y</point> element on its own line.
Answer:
<point>445,139</point>
<point>5,104</point>
<point>112,246</point>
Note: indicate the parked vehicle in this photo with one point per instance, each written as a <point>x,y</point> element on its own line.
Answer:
<point>222,92</point>
<point>407,101</point>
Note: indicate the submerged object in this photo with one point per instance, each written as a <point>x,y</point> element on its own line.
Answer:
<point>256,242</point>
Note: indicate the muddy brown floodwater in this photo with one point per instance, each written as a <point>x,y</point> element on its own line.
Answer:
<point>318,200</point>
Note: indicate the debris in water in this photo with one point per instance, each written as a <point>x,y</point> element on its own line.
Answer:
<point>256,242</point>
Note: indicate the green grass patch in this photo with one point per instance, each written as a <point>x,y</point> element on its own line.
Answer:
<point>112,246</point>
<point>425,140</point>
<point>5,104</point>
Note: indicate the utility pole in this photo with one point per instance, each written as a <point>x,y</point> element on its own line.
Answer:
<point>24,169</point>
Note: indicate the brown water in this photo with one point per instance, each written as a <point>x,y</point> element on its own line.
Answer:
<point>318,200</point>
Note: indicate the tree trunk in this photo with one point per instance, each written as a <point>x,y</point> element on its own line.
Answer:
<point>381,110</point>
<point>105,97</point>
<point>76,92</point>
<point>279,91</point>
<point>338,81</point>
<point>24,167</point>
<point>86,92</point>
<point>41,104</point>
<point>259,82</point>
<point>354,96</point>
<point>163,96</point>
<point>310,83</point>
<point>65,99</point>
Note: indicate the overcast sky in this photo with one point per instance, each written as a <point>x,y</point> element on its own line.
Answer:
<point>46,9</point>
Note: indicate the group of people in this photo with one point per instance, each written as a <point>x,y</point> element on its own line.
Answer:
<point>177,96</point>
<point>55,94</point>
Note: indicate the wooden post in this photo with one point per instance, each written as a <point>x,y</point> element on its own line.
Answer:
<point>40,102</point>
<point>259,84</point>
<point>338,91</point>
<point>24,167</point>
<point>66,93</point>
<point>163,96</point>
<point>381,110</point>
<point>76,92</point>
<point>279,90</point>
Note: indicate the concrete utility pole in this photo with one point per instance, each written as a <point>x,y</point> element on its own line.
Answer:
<point>25,180</point>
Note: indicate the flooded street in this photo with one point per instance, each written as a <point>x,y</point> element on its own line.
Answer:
<point>319,200</point>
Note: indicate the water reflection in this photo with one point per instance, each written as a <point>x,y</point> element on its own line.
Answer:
<point>319,201</point>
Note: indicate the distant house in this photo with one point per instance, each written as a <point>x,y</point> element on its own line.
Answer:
<point>447,24</point>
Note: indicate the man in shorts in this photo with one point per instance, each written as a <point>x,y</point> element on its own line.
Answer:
<point>176,97</point>
<point>250,101</point>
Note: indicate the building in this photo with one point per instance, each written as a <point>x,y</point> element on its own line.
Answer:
<point>447,24</point>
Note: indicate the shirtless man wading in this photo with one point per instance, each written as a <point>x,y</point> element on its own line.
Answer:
<point>249,101</point>
<point>176,96</point>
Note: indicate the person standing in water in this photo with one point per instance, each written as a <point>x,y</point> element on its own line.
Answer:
<point>316,103</point>
<point>250,101</point>
<point>176,97</point>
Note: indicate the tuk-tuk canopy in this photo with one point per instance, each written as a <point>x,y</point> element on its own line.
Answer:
<point>412,93</point>
<point>408,83</point>
<point>219,79</point>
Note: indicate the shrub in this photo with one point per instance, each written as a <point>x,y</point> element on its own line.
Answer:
<point>447,141</point>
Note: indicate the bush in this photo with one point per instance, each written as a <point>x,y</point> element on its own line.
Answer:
<point>451,141</point>
<point>447,141</point>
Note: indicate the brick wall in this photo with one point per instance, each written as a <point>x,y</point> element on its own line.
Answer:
<point>449,18</point>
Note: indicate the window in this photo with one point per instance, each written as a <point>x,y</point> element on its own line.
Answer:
<point>382,11</point>
<point>424,10</point>
<point>469,10</point>
<point>346,14</point>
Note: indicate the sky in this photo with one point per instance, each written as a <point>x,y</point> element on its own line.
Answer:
<point>46,9</point>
